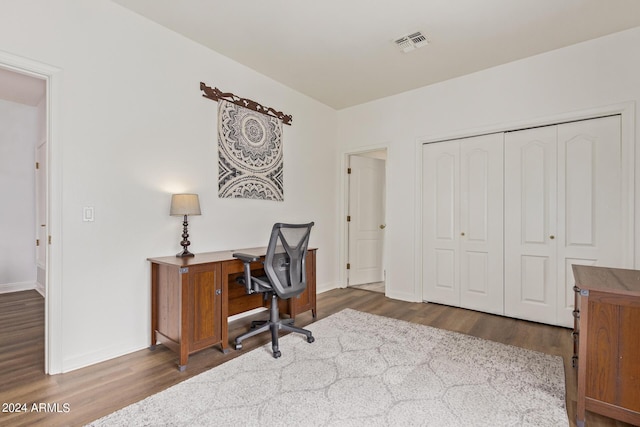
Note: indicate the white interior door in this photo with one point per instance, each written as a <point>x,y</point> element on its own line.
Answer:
<point>530,224</point>
<point>367,222</point>
<point>441,222</point>
<point>481,223</point>
<point>590,203</point>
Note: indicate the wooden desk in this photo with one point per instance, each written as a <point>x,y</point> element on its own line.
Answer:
<point>191,299</point>
<point>608,335</point>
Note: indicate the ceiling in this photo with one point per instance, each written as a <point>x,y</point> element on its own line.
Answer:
<point>21,88</point>
<point>342,52</point>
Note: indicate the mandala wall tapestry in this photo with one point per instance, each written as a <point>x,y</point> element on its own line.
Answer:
<point>250,162</point>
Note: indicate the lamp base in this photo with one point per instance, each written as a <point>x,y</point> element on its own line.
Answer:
<point>184,254</point>
<point>185,240</point>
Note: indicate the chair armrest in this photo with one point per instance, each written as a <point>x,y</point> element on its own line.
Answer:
<point>245,257</point>
<point>247,260</point>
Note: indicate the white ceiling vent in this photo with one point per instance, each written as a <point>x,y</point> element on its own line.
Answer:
<point>412,41</point>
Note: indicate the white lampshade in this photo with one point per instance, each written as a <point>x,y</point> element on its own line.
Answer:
<point>185,204</point>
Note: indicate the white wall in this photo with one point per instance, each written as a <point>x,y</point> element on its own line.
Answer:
<point>581,77</point>
<point>134,128</point>
<point>18,137</point>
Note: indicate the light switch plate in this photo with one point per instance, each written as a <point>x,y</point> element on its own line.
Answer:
<point>88,214</point>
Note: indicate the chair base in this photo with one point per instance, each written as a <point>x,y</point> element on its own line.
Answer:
<point>274,324</point>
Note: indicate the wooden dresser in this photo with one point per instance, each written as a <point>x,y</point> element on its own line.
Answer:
<point>607,336</point>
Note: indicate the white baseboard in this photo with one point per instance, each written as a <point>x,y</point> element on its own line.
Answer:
<point>327,287</point>
<point>402,296</point>
<point>16,287</point>
<point>246,313</point>
<point>41,290</point>
<point>97,356</point>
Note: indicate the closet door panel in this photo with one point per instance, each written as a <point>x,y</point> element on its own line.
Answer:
<point>590,202</point>
<point>481,223</point>
<point>530,224</point>
<point>534,193</point>
<point>440,209</point>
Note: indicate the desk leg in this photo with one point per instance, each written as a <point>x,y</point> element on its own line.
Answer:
<point>154,304</point>
<point>184,356</point>
<point>224,309</point>
<point>582,362</point>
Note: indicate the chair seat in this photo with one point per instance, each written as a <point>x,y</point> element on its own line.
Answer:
<point>262,282</point>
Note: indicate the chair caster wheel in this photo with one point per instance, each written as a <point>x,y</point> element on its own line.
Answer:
<point>310,339</point>
<point>238,346</point>
<point>276,354</point>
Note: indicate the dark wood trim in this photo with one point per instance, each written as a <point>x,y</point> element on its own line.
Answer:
<point>216,94</point>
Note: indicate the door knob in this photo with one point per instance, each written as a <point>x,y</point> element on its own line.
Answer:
<point>462,234</point>
<point>552,237</point>
<point>382,226</point>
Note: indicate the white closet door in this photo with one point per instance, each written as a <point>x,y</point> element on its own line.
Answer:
<point>563,206</point>
<point>441,189</point>
<point>481,223</point>
<point>530,224</point>
<point>463,223</point>
<point>589,202</point>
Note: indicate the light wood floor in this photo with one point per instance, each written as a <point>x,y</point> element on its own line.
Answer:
<point>98,390</point>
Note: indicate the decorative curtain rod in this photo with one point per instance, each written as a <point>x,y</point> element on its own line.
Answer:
<point>216,94</point>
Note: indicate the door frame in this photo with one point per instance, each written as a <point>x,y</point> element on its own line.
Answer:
<point>53,272</point>
<point>41,205</point>
<point>344,210</point>
<point>627,112</point>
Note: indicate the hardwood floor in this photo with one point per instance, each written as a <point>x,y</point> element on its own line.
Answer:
<point>78,397</point>
<point>372,287</point>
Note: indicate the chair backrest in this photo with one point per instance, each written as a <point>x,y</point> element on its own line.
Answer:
<point>285,260</point>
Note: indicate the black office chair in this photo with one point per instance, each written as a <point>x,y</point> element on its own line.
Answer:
<point>286,277</point>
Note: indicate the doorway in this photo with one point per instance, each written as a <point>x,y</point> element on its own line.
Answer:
<point>366,226</point>
<point>24,97</point>
<point>23,165</point>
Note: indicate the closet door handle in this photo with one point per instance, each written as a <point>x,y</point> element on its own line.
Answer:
<point>462,234</point>
<point>552,237</point>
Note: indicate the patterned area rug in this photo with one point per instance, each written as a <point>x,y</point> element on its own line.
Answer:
<point>366,370</point>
